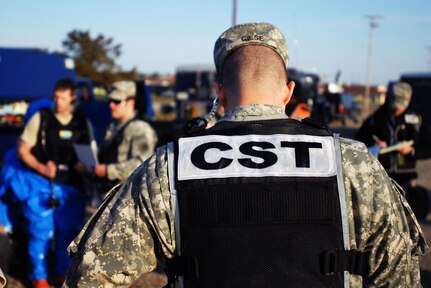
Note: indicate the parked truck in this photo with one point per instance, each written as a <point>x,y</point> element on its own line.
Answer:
<point>420,103</point>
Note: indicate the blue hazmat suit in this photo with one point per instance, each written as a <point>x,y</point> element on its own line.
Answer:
<point>31,192</point>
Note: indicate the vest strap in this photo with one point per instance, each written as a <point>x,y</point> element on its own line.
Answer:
<point>338,261</point>
<point>174,203</point>
<point>180,266</point>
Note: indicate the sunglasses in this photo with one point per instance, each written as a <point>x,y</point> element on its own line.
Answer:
<point>115,101</point>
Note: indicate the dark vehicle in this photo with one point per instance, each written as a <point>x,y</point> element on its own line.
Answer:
<point>26,75</point>
<point>304,94</point>
<point>352,109</point>
<point>335,105</point>
<point>194,90</point>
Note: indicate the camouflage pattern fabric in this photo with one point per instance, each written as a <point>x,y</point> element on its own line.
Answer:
<point>264,34</point>
<point>135,225</point>
<point>138,143</point>
<point>382,221</point>
<point>262,111</point>
<point>2,279</point>
<point>123,90</point>
<point>402,94</point>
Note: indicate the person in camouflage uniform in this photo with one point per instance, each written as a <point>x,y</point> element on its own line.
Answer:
<point>128,141</point>
<point>135,226</point>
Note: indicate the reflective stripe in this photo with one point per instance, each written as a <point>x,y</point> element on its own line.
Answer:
<point>343,203</point>
<point>174,201</point>
<point>346,279</point>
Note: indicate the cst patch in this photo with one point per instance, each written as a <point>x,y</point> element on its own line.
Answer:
<point>279,155</point>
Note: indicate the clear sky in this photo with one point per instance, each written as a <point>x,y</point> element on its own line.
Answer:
<point>324,36</point>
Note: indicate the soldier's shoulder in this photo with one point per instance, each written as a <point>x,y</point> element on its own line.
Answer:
<point>353,145</point>
<point>138,125</point>
<point>157,161</point>
<point>356,156</point>
<point>152,175</point>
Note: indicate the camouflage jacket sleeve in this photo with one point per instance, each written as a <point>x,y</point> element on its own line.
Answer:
<point>137,145</point>
<point>131,230</point>
<point>2,280</point>
<point>381,220</point>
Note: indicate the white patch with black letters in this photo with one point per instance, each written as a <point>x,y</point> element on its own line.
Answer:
<point>411,119</point>
<point>321,156</point>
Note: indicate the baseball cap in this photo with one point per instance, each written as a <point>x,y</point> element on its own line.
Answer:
<point>402,94</point>
<point>264,34</point>
<point>122,90</point>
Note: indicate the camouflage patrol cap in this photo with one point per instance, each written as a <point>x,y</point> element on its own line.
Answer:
<point>249,34</point>
<point>402,94</point>
<point>123,90</point>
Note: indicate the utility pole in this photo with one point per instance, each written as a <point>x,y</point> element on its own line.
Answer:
<point>234,12</point>
<point>373,25</point>
<point>429,58</point>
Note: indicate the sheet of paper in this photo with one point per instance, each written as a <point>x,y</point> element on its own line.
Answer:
<point>87,155</point>
<point>396,146</point>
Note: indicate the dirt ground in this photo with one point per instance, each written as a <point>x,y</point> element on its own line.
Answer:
<point>424,170</point>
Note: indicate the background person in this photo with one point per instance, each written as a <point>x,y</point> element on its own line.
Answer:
<point>258,201</point>
<point>46,147</point>
<point>5,252</point>
<point>128,141</point>
<point>390,125</point>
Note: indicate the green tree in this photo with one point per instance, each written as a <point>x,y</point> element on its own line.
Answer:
<point>96,57</point>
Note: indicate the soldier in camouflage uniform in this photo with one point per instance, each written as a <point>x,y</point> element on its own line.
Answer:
<point>128,141</point>
<point>136,225</point>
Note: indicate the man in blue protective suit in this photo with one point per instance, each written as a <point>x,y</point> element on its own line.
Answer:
<point>52,204</point>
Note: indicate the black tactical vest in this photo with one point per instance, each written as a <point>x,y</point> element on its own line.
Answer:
<point>55,142</point>
<point>109,154</point>
<point>109,149</point>
<point>259,206</point>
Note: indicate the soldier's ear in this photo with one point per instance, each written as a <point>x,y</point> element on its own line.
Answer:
<point>221,95</point>
<point>290,86</point>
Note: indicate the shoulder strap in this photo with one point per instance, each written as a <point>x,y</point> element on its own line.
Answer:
<point>342,192</point>
<point>122,129</point>
<point>174,202</point>
<point>345,260</point>
<point>115,140</point>
<point>44,114</point>
<point>343,204</point>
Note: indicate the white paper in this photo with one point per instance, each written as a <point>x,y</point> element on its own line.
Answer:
<point>399,145</point>
<point>87,155</point>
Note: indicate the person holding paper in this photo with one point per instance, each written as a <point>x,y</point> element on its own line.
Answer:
<point>128,141</point>
<point>46,147</point>
<point>392,128</point>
